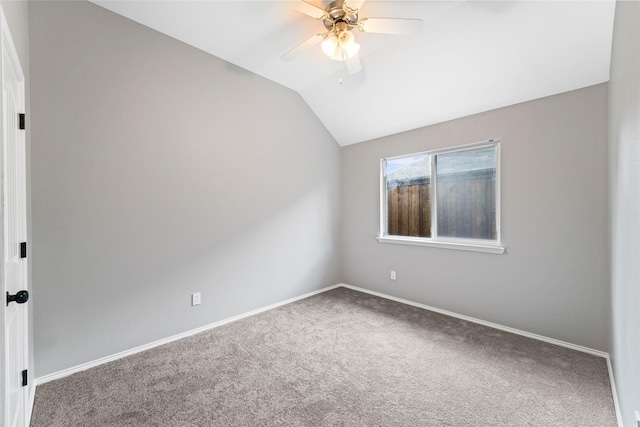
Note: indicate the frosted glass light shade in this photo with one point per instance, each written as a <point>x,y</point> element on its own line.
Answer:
<point>344,54</point>
<point>329,45</point>
<point>346,39</point>
<point>340,46</point>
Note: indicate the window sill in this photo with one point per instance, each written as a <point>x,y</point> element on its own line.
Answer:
<point>466,246</point>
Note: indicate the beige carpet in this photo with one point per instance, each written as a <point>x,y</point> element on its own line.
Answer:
<point>340,358</point>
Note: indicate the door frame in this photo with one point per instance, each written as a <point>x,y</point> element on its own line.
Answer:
<point>6,41</point>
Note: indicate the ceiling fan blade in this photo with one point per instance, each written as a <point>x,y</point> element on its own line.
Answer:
<point>309,9</point>
<point>400,26</point>
<point>302,47</point>
<point>353,64</point>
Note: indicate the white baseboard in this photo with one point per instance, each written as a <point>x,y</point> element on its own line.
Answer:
<point>614,393</point>
<point>120,355</point>
<point>74,369</point>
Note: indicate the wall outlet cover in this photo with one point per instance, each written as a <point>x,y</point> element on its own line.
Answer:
<point>195,298</point>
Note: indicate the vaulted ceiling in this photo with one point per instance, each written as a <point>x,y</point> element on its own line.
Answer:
<point>470,57</point>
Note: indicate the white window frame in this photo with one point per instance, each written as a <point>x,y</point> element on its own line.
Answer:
<point>477,245</point>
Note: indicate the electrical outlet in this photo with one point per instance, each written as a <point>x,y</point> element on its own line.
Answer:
<point>393,275</point>
<point>195,298</point>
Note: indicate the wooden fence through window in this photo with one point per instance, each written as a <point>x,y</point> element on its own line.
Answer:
<point>466,206</point>
<point>409,209</point>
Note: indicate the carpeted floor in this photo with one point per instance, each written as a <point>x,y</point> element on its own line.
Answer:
<point>339,358</point>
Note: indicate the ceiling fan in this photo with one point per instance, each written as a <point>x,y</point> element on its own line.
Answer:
<point>340,17</point>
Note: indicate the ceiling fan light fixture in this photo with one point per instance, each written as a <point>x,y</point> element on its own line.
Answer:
<point>341,54</point>
<point>338,54</point>
<point>330,45</point>
<point>346,39</point>
<point>340,46</point>
<point>340,18</point>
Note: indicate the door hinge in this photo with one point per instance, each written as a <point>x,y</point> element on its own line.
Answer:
<point>23,250</point>
<point>25,378</point>
<point>21,121</point>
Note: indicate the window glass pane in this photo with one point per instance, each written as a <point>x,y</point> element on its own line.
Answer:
<point>408,196</point>
<point>466,194</point>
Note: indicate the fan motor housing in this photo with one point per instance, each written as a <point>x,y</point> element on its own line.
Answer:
<point>339,14</point>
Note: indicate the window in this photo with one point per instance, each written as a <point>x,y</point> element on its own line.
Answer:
<point>447,198</point>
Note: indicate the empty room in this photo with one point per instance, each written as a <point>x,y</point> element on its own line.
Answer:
<point>320,213</point>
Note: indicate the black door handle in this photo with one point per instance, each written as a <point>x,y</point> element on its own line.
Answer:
<point>20,297</point>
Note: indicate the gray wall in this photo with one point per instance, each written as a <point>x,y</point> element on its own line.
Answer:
<point>624,139</point>
<point>553,279</point>
<point>158,171</point>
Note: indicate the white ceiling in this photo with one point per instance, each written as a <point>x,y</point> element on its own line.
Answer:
<point>471,56</point>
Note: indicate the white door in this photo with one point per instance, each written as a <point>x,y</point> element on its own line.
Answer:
<point>14,263</point>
